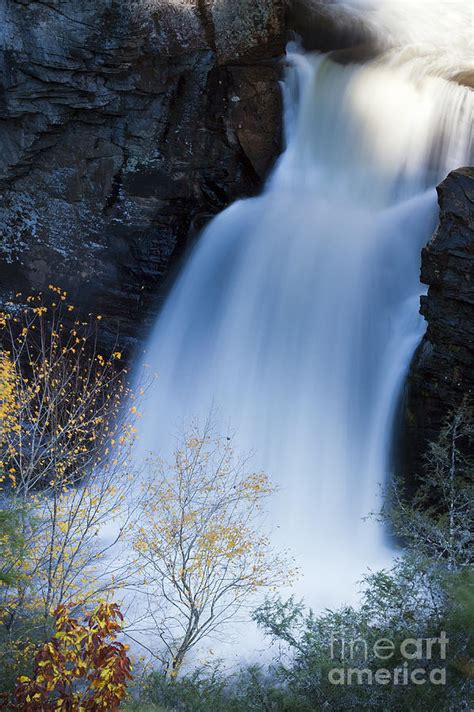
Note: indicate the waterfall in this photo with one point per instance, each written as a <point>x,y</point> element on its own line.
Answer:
<point>295,317</point>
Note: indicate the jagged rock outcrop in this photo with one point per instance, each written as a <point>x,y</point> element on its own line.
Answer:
<point>442,373</point>
<point>125,125</point>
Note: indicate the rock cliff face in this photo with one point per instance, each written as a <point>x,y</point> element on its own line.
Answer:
<point>442,374</point>
<point>125,125</point>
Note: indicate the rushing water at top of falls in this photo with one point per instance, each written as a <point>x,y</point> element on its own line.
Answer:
<point>296,315</point>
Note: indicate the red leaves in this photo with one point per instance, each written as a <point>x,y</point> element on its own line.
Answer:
<point>84,667</point>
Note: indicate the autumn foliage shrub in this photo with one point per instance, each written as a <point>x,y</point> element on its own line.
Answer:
<point>83,668</point>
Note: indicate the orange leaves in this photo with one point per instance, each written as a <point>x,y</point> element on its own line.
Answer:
<point>83,667</point>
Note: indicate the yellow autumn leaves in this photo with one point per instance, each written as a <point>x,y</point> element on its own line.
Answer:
<point>201,553</point>
<point>64,454</point>
<point>189,539</point>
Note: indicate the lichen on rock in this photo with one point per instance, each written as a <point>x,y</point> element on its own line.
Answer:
<point>120,138</point>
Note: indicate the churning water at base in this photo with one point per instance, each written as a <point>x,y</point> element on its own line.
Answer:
<point>296,315</point>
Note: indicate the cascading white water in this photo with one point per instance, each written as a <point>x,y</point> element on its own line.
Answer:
<point>296,315</point>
